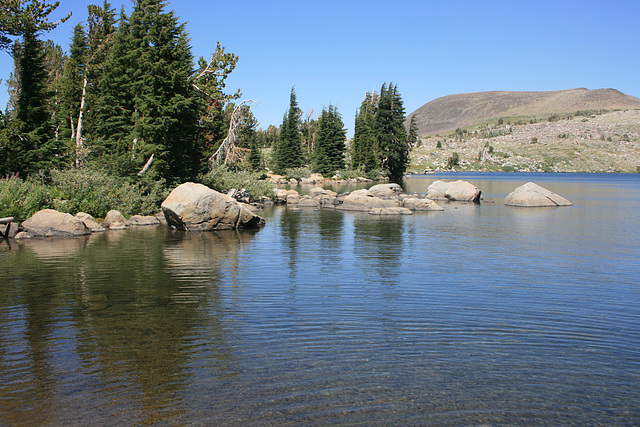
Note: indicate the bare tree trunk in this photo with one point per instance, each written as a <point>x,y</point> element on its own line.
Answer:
<point>146,165</point>
<point>79,143</point>
<point>229,142</point>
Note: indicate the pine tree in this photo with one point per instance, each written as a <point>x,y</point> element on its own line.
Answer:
<point>71,84</point>
<point>412,137</point>
<point>288,151</point>
<point>147,105</point>
<point>328,155</point>
<point>254,157</point>
<point>364,146</point>
<point>30,145</point>
<point>390,132</point>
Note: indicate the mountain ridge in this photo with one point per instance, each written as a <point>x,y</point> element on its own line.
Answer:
<point>462,110</point>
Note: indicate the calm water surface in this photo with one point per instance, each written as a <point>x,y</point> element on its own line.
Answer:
<point>476,315</point>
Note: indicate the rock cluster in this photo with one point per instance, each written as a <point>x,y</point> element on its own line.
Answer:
<point>381,199</point>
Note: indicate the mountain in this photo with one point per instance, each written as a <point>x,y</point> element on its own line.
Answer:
<point>466,109</point>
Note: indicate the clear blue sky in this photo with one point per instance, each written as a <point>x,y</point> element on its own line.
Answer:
<point>333,51</point>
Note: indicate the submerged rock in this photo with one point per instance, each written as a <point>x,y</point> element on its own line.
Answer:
<point>196,207</point>
<point>390,211</point>
<point>533,195</point>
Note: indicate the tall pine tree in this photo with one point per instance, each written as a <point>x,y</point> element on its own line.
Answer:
<point>328,155</point>
<point>390,132</point>
<point>288,151</point>
<point>364,147</point>
<point>148,106</point>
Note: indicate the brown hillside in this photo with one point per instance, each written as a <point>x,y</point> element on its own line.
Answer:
<point>466,109</point>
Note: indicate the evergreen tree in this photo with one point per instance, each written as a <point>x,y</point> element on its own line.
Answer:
<point>254,158</point>
<point>412,137</point>
<point>288,151</point>
<point>71,84</point>
<point>364,146</point>
<point>390,132</point>
<point>29,143</point>
<point>328,155</point>
<point>147,106</point>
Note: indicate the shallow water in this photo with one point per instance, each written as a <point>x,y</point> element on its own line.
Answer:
<point>475,315</point>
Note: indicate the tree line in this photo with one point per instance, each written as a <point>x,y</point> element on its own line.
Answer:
<point>129,98</point>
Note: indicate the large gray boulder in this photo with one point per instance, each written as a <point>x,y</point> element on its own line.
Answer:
<point>49,222</point>
<point>533,195</point>
<point>364,200</point>
<point>196,207</point>
<point>462,191</point>
<point>456,191</point>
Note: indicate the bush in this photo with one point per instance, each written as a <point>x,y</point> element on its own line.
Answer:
<point>223,178</point>
<point>454,160</point>
<point>96,192</point>
<point>297,173</point>
<point>21,199</point>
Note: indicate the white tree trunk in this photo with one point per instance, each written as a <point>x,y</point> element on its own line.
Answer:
<point>79,143</point>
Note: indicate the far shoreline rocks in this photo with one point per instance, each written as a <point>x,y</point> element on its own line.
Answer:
<point>196,207</point>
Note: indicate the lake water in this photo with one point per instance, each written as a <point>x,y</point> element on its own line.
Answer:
<point>480,314</point>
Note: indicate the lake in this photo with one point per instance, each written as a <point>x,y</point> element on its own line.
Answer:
<point>480,314</point>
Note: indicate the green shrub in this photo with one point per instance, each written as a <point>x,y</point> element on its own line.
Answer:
<point>21,199</point>
<point>297,173</point>
<point>223,178</point>
<point>454,160</point>
<point>96,192</point>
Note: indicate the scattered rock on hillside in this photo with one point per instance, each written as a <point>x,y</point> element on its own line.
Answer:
<point>533,195</point>
<point>196,207</point>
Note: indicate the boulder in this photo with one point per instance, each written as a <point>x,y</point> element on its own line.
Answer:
<point>416,204</point>
<point>49,222</point>
<point>436,190</point>
<point>456,191</point>
<point>114,220</point>
<point>533,195</point>
<point>462,191</point>
<point>9,230</point>
<point>364,200</point>
<point>90,222</point>
<point>320,192</point>
<point>143,220</point>
<point>386,190</point>
<point>390,211</point>
<point>192,206</point>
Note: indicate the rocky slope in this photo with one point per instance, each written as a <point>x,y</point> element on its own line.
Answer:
<point>608,142</point>
<point>468,109</point>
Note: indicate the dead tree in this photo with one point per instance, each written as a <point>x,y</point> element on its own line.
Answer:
<point>228,148</point>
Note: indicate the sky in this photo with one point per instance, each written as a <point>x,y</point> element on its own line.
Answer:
<point>334,51</point>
